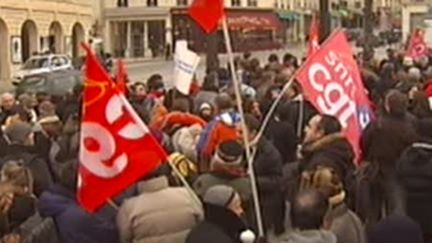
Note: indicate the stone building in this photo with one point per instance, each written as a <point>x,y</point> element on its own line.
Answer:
<point>31,26</point>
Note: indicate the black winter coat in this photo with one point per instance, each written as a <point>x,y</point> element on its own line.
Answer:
<point>268,170</point>
<point>333,151</point>
<point>414,171</point>
<point>220,225</point>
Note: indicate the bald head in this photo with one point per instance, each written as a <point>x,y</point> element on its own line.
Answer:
<point>7,101</point>
<point>308,210</point>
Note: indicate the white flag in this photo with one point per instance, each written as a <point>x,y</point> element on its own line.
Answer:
<point>186,63</point>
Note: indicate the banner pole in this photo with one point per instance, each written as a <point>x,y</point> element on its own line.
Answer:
<point>244,128</point>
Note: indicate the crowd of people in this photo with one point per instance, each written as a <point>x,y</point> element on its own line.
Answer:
<point>311,187</point>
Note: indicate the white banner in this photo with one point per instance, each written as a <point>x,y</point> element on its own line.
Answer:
<point>186,63</point>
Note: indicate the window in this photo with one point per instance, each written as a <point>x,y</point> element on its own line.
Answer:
<point>235,3</point>
<point>182,2</point>
<point>357,4</point>
<point>122,3</point>
<point>252,3</point>
<point>152,3</point>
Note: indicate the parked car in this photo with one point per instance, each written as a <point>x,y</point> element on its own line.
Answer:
<point>42,64</point>
<point>56,83</point>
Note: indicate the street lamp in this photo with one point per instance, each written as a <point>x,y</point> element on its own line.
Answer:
<point>368,31</point>
<point>325,20</point>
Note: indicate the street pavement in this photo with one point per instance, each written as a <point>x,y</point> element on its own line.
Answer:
<point>141,71</point>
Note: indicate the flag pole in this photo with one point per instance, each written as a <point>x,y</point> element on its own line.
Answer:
<point>243,125</point>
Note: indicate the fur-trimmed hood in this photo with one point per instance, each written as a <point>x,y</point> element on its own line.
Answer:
<point>324,142</point>
<point>332,151</point>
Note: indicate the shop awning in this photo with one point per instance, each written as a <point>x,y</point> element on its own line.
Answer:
<point>253,20</point>
<point>288,15</point>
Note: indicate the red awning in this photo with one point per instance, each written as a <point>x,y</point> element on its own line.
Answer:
<point>253,20</point>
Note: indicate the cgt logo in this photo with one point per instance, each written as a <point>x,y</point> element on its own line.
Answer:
<point>99,144</point>
<point>333,83</point>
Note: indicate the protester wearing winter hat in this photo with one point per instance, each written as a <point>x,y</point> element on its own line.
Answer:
<point>223,212</point>
<point>396,229</point>
<point>222,128</point>
<point>226,168</point>
<point>21,138</point>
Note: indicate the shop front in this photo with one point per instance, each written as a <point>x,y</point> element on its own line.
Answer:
<point>290,21</point>
<point>250,30</point>
<point>138,32</point>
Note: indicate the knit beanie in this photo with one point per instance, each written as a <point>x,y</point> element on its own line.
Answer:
<point>18,132</point>
<point>229,153</point>
<point>396,229</point>
<point>219,195</point>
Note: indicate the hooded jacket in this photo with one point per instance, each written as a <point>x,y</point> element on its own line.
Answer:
<point>333,151</point>
<point>73,223</point>
<point>414,171</point>
<point>310,236</point>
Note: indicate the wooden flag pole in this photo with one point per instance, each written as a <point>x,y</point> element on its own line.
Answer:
<point>244,128</point>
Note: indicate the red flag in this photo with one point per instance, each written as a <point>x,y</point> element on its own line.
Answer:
<point>332,82</point>
<point>417,47</point>
<point>207,13</point>
<point>313,37</point>
<point>121,77</point>
<point>116,148</point>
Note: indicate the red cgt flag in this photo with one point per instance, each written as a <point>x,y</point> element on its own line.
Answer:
<point>116,148</point>
<point>207,13</point>
<point>331,80</point>
<point>121,77</point>
<point>313,37</point>
<point>417,46</point>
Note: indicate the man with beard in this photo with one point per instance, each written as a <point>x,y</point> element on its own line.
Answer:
<point>325,145</point>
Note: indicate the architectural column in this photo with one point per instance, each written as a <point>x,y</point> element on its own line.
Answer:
<point>129,39</point>
<point>147,51</point>
<point>107,35</point>
<point>169,32</point>
<point>44,44</point>
<point>301,35</point>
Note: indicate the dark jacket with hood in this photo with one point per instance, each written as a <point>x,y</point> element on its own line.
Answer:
<point>384,140</point>
<point>333,151</point>
<point>73,223</point>
<point>220,225</point>
<point>414,171</point>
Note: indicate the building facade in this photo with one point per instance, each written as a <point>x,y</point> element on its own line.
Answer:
<point>149,28</point>
<point>417,14</point>
<point>31,26</point>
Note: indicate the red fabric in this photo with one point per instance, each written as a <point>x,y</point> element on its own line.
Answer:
<point>429,89</point>
<point>207,13</point>
<point>313,37</point>
<point>177,118</point>
<point>331,80</point>
<point>194,89</point>
<point>417,47</point>
<point>221,133</point>
<point>116,148</point>
<point>121,77</point>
